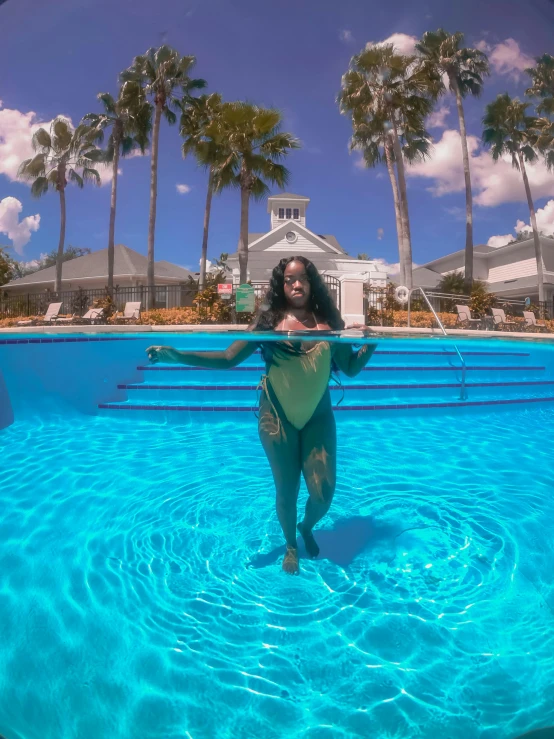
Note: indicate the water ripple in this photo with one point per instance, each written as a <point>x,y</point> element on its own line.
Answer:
<point>142,593</point>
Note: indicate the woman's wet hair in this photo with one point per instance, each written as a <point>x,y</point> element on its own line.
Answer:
<point>275,306</point>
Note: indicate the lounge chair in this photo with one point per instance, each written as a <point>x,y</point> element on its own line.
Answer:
<point>531,321</point>
<point>464,316</point>
<point>500,320</point>
<point>92,315</point>
<point>51,316</point>
<point>130,313</point>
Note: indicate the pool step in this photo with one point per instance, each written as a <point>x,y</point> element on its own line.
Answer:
<point>394,380</point>
<point>355,392</point>
<point>250,374</point>
<point>165,406</point>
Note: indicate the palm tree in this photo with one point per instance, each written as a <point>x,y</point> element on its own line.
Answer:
<point>444,54</point>
<point>197,115</point>
<point>61,153</point>
<point>542,82</point>
<point>509,130</point>
<point>165,77</point>
<point>129,118</point>
<point>254,144</point>
<point>373,139</point>
<point>542,87</point>
<point>390,90</point>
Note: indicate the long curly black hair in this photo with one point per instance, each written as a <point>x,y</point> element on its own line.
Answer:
<point>274,306</point>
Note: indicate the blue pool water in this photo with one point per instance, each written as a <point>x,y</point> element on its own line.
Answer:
<point>141,592</point>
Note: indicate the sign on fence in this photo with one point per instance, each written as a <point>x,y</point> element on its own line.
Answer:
<point>245,299</point>
<point>225,290</point>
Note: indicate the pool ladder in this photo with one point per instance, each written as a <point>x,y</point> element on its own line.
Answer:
<point>463,391</point>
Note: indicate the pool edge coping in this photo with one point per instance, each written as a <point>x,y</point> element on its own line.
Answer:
<point>238,328</point>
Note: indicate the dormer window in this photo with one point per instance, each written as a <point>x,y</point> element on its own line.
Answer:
<point>289,213</point>
<point>281,213</point>
<point>296,214</point>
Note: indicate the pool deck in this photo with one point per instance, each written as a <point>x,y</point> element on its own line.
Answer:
<point>223,328</point>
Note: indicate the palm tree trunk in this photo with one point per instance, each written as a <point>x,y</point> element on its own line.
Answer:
<point>536,237</point>
<point>407,240</point>
<point>469,198</point>
<point>113,202</point>
<point>243,238</point>
<point>153,198</point>
<point>59,260</point>
<point>207,211</point>
<point>397,213</point>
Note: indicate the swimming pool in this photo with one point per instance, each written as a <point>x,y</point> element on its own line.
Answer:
<point>140,557</point>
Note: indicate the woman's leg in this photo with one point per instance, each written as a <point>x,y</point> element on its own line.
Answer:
<point>318,451</point>
<point>281,444</point>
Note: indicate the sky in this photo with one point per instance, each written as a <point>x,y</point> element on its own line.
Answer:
<point>55,57</point>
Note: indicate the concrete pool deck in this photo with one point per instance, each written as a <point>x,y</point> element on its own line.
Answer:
<point>233,328</point>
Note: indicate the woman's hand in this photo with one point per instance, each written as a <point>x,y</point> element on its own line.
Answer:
<point>164,354</point>
<point>361,327</point>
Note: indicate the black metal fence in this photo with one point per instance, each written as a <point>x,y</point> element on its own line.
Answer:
<point>381,303</point>
<point>77,302</point>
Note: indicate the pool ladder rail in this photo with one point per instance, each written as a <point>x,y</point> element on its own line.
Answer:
<point>463,391</point>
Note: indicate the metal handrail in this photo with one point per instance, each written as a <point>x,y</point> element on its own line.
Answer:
<point>463,392</point>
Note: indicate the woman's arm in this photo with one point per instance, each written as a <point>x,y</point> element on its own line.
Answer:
<point>352,361</point>
<point>231,357</point>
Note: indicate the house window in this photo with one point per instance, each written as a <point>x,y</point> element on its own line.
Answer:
<point>296,214</point>
<point>281,212</point>
<point>289,214</point>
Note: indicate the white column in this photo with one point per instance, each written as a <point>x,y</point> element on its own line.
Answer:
<point>352,298</point>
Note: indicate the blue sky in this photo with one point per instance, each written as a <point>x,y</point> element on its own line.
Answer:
<point>56,56</point>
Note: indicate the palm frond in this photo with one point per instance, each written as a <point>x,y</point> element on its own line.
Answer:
<point>31,168</point>
<point>41,139</point>
<point>259,190</point>
<point>170,116</point>
<point>62,134</point>
<point>91,175</point>
<point>39,187</point>
<point>75,177</point>
<point>109,103</point>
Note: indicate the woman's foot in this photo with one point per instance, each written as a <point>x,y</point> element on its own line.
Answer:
<point>290,561</point>
<point>309,541</point>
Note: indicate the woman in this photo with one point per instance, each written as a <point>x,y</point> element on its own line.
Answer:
<point>296,421</point>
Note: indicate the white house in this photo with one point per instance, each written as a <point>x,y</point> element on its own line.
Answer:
<point>509,271</point>
<point>289,235</point>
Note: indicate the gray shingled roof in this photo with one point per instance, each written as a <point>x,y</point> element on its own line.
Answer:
<point>127,263</point>
<point>289,195</point>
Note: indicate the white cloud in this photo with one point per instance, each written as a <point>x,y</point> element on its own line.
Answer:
<point>183,189</point>
<point>390,269</point>
<point>497,241</point>
<point>346,36</point>
<point>18,231</point>
<point>493,183</point>
<point>16,132</point>
<point>437,119</point>
<point>459,214</point>
<point>507,58</point>
<point>402,42</point>
<point>545,225</point>
<point>545,220</point>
